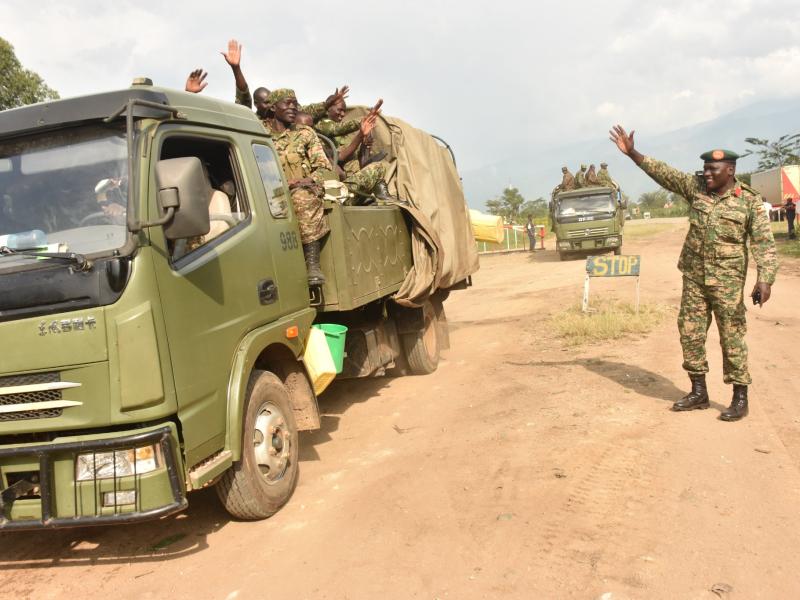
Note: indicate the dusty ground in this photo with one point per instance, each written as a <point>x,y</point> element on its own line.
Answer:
<point>518,470</point>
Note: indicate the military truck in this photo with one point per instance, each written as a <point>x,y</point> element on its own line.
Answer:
<point>153,344</point>
<point>587,220</point>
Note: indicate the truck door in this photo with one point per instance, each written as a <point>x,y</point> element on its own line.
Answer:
<point>214,288</point>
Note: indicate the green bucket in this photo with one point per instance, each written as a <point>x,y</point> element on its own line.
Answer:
<point>334,335</point>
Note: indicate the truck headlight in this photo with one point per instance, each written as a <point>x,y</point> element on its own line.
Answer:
<point>563,245</point>
<point>119,463</point>
<point>612,241</point>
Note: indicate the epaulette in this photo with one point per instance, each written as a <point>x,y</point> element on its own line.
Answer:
<point>747,188</point>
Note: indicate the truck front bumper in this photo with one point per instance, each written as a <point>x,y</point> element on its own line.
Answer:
<point>41,489</point>
<point>589,243</point>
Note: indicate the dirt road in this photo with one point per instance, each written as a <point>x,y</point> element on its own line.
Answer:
<point>517,470</point>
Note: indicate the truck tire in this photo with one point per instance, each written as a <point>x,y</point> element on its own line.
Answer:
<point>263,480</point>
<point>422,346</point>
<point>617,250</point>
<point>562,255</point>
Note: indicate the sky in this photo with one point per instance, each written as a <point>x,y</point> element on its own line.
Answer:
<point>491,77</point>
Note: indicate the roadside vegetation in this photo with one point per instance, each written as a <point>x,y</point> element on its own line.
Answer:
<point>785,246</point>
<point>608,319</point>
<point>647,229</point>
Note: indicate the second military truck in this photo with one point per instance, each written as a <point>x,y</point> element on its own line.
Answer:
<point>587,220</point>
<point>154,305</point>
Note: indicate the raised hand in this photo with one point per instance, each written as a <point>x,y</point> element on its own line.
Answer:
<point>234,54</point>
<point>338,94</point>
<point>368,124</point>
<point>196,82</point>
<point>623,140</point>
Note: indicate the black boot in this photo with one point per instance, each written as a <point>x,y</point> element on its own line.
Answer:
<point>311,251</point>
<point>697,398</point>
<point>381,192</point>
<point>738,407</point>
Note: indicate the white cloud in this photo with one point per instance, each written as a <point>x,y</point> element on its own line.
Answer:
<point>491,78</point>
<point>607,109</point>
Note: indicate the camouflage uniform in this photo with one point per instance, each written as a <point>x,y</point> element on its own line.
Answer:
<point>316,110</point>
<point>302,156</point>
<point>567,182</point>
<point>358,180</point>
<point>591,177</point>
<point>714,265</point>
<point>580,178</point>
<point>604,178</point>
<point>332,129</point>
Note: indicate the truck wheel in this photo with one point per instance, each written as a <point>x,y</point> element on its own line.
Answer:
<point>617,250</point>
<point>562,255</point>
<point>422,346</point>
<point>264,479</point>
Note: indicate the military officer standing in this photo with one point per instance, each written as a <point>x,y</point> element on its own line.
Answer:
<point>724,215</point>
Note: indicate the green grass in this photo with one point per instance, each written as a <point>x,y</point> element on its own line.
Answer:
<point>608,319</point>
<point>786,247</point>
<point>646,230</point>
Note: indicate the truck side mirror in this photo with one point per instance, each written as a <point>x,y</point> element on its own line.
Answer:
<point>184,187</point>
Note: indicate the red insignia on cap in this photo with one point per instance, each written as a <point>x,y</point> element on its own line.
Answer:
<point>717,155</point>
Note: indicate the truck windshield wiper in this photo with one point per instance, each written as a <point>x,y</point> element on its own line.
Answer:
<point>79,260</point>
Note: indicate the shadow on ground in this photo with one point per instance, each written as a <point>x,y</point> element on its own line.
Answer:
<point>632,377</point>
<point>155,541</point>
<point>172,537</point>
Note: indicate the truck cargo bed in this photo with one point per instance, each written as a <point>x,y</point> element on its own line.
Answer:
<point>366,256</point>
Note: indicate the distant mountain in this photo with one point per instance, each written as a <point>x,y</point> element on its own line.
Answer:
<point>535,171</point>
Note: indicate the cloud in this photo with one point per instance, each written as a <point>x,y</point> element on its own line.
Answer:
<point>490,78</point>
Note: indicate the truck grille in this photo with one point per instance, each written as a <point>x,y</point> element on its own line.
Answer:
<point>588,232</point>
<point>36,396</point>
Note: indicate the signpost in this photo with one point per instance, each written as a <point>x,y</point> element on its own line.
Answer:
<point>611,266</point>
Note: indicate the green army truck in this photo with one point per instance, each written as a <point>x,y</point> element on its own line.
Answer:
<point>587,220</point>
<point>153,337</point>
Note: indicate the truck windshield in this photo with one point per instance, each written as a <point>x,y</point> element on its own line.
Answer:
<point>64,191</point>
<point>583,205</point>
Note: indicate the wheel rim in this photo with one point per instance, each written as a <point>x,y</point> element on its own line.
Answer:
<point>272,443</point>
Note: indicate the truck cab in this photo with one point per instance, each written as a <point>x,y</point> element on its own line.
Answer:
<point>588,220</point>
<point>155,310</point>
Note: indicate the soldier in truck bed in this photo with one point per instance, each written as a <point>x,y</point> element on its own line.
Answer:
<point>233,57</point>
<point>725,214</point>
<point>364,175</point>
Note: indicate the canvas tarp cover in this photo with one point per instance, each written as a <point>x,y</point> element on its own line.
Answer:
<point>422,171</point>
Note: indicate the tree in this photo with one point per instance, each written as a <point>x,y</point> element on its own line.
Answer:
<point>656,199</point>
<point>507,205</point>
<point>784,151</point>
<point>533,209</point>
<point>19,86</point>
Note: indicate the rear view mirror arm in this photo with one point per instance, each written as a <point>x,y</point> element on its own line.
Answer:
<point>134,225</point>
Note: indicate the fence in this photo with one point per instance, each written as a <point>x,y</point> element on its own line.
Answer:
<point>516,238</point>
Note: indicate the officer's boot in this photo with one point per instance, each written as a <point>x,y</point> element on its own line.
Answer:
<point>697,398</point>
<point>738,407</point>
<point>311,251</point>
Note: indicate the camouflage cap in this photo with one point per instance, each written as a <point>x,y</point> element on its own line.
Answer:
<point>583,167</point>
<point>719,155</point>
<point>603,165</point>
<point>280,94</point>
